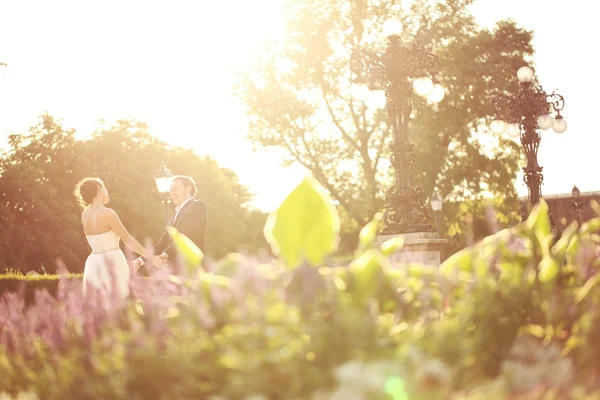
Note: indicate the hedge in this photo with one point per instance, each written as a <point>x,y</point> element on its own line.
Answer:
<point>27,285</point>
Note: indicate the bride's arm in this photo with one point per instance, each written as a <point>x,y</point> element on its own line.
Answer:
<point>117,226</point>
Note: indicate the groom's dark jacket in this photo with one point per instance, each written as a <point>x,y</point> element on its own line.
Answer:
<point>191,221</point>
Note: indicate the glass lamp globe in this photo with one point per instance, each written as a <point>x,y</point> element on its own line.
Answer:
<point>545,121</point>
<point>392,27</point>
<point>525,74</point>
<point>514,130</point>
<point>359,91</point>
<point>163,180</point>
<point>559,125</point>
<point>437,94</point>
<point>498,126</point>
<point>436,201</point>
<point>375,99</point>
<point>423,86</point>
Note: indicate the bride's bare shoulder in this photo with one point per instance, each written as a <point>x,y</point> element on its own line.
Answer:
<point>109,212</point>
<point>85,213</point>
<point>99,213</point>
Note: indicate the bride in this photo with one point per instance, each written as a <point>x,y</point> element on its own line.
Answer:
<point>106,267</point>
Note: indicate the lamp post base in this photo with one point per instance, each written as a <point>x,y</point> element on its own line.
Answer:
<point>422,247</point>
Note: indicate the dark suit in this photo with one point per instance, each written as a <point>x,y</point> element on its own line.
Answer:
<point>191,221</point>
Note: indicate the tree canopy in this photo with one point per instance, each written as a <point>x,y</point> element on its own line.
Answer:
<point>40,217</point>
<point>299,100</point>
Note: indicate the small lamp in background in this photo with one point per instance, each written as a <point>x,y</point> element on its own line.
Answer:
<point>577,203</point>
<point>163,180</point>
<point>436,205</point>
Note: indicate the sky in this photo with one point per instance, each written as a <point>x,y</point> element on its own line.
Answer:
<point>173,65</point>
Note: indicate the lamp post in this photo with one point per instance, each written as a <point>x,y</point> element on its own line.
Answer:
<point>163,180</point>
<point>436,205</point>
<point>399,70</point>
<point>523,115</point>
<point>577,203</point>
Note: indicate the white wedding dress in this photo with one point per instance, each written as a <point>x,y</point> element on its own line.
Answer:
<point>106,266</point>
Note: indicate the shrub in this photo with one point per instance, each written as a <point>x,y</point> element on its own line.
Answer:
<point>27,285</point>
<point>508,316</point>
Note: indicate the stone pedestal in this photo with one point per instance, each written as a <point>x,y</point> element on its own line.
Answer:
<point>423,247</point>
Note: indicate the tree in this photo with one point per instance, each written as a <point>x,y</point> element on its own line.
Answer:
<point>41,221</point>
<point>298,100</point>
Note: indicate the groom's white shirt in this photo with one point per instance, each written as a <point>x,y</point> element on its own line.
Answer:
<point>177,209</point>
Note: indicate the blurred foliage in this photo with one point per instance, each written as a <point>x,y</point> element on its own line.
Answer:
<point>467,222</point>
<point>298,100</point>
<point>516,315</point>
<point>41,220</point>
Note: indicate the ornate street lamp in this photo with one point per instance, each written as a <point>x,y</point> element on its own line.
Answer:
<point>577,203</point>
<point>163,180</point>
<point>399,70</point>
<point>522,115</point>
<point>436,205</point>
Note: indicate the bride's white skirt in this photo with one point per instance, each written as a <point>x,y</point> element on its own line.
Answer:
<point>106,270</point>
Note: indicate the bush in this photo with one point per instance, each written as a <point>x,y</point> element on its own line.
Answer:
<point>27,285</point>
<point>516,314</point>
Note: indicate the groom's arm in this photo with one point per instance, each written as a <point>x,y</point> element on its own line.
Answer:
<point>158,248</point>
<point>193,226</point>
<point>162,244</point>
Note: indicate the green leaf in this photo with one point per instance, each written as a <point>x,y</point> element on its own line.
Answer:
<point>543,242</point>
<point>459,261</point>
<point>593,225</point>
<point>585,290</point>
<point>572,249</point>
<point>368,234</point>
<point>230,265</point>
<point>191,253</point>
<point>559,250</point>
<point>395,387</point>
<point>212,280</point>
<point>535,330</point>
<point>538,220</point>
<point>368,270</point>
<point>548,269</point>
<point>393,245</point>
<point>484,256</point>
<point>305,227</point>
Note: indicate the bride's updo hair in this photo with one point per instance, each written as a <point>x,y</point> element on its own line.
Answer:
<point>86,191</point>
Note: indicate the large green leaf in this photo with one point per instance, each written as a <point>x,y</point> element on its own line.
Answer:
<point>192,255</point>
<point>539,221</point>
<point>305,227</point>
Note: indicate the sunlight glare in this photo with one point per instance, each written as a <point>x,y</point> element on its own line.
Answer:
<point>172,65</point>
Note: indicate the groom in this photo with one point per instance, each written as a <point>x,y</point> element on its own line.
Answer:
<point>190,219</point>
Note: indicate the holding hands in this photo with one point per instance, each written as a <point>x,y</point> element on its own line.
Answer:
<point>160,261</point>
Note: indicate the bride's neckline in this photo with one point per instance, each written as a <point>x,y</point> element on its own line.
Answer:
<point>98,234</point>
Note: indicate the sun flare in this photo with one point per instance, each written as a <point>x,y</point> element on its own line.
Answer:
<point>172,65</point>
